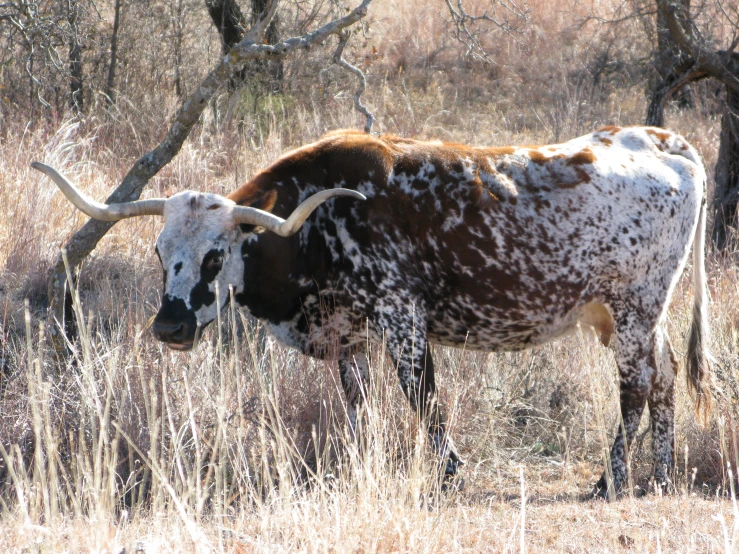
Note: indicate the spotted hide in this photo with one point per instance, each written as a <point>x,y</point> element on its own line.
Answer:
<point>495,249</point>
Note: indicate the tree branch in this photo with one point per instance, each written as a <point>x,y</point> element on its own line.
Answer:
<point>361,108</point>
<point>734,24</point>
<point>721,65</point>
<point>150,163</point>
<point>256,33</point>
<point>655,111</point>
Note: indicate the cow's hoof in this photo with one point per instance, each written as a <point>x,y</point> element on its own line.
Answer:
<point>600,490</point>
<point>453,463</point>
<point>662,487</point>
<point>597,494</point>
<point>452,484</point>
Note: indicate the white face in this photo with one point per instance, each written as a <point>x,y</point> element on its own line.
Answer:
<point>198,248</point>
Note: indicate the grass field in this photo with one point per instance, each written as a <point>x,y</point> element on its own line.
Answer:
<point>241,445</point>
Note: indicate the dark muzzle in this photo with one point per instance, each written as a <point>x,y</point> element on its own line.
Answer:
<point>175,325</point>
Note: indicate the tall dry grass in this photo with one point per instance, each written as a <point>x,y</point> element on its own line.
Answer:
<point>241,445</point>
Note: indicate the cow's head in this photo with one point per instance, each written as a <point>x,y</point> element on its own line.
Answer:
<point>197,248</point>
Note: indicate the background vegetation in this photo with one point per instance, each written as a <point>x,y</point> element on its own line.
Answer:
<point>241,445</point>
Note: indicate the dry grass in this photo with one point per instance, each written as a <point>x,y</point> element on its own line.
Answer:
<point>241,446</point>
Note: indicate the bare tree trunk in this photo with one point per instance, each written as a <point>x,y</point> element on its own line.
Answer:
<point>230,24</point>
<point>671,63</point>
<point>702,61</point>
<point>661,94</point>
<point>179,29</point>
<point>726,192</point>
<point>110,83</point>
<point>75,57</point>
<point>229,21</point>
<point>273,68</point>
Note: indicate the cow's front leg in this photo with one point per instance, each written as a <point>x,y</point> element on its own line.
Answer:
<point>405,332</point>
<point>354,374</point>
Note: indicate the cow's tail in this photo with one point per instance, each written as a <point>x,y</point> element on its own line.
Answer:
<point>699,357</point>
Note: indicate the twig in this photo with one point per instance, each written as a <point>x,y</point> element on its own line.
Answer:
<point>735,24</point>
<point>361,108</point>
<point>463,23</point>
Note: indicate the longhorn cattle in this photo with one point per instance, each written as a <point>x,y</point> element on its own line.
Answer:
<point>488,248</point>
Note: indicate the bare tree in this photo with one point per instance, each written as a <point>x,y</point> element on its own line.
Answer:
<point>726,190</point>
<point>75,57</point>
<point>179,25</point>
<point>251,47</point>
<point>110,81</point>
<point>701,60</point>
<point>272,68</point>
<point>36,34</point>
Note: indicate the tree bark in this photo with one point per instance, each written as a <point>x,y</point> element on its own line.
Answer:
<point>110,92</point>
<point>179,29</point>
<point>726,192</point>
<point>273,68</point>
<point>661,94</point>
<point>670,62</point>
<point>697,60</point>
<point>231,23</point>
<point>75,57</point>
<point>228,20</point>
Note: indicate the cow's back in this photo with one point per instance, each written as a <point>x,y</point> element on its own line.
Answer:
<point>506,245</point>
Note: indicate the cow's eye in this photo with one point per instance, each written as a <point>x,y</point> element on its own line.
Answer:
<point>213,261</point>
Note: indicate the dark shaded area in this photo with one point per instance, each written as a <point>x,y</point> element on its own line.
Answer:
<point>231,25</point>
<point>726,192</point>
<point>110,92</point>
<point>229,21</point>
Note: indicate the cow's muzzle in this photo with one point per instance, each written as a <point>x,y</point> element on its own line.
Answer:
<point>175,325</point>
<point>174,335</point>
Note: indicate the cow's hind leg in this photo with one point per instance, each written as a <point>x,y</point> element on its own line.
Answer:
<point>405,332</point>
<point>354,374</point>
<point>635,356</point>
<point>662,409</point>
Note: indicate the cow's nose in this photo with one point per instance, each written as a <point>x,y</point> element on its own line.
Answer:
<point>170,332</point>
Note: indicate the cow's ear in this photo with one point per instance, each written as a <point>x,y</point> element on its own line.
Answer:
<point>264,202</point>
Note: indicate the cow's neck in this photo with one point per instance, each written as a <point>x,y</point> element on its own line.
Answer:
<point>276,278</point>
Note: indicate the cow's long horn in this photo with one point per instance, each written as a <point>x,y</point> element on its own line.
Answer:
<point>285,228</point>
<point>96,210</point>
